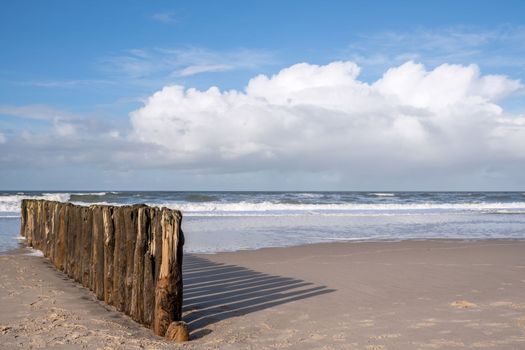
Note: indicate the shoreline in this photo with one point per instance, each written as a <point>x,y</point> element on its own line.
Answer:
<point>20,250</point>
<point>425,294</point>
<point>450,240</point>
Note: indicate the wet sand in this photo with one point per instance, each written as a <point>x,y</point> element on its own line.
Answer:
<point>385,295</point>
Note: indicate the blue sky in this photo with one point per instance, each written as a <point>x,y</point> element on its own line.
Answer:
<point>70,71</point>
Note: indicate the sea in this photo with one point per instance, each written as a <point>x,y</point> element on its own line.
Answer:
<point>230,221</point>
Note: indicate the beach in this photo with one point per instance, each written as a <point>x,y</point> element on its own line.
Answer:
<point>433,294</point>
<point>270,175</point>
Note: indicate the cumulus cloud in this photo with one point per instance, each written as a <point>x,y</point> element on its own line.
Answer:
<point>307,126</point>
<point>323,117</point>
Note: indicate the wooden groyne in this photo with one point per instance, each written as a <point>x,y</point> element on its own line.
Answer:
<point>129,256</point>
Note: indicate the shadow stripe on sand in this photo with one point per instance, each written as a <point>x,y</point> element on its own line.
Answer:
<point>214,292</point>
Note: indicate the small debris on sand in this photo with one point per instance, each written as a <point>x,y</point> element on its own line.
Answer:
<point>463,304</point>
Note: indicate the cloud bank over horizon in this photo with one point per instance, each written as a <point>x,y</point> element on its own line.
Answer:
<point>322,117</point>
<point>307,120</point>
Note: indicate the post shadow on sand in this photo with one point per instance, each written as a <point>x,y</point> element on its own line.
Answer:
<point>214,292</point>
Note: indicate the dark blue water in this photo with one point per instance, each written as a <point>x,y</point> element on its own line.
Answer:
<point>222,221</point>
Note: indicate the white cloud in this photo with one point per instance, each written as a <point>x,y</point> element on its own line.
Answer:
<point>317,118</point>
<point>500,48</point>
<point>79,140</point>
<point>3,139</point>
<point>159,63</point>
<point>164,17</point>
<point>63,128</point>
<point>308,126</point>
<point>446,85</point>
<point>204,68</point>
<point>38,112</point>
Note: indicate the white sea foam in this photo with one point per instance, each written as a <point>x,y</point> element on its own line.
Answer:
<point>10,206</point>
<point>508,211</point>
<point>91,193</point>
<point>11,203</point>
<point>250,207</point>
<point>309,195</point>
<point>34,252</point>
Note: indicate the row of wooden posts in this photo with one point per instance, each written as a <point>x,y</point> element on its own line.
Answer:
<point>129,256</point>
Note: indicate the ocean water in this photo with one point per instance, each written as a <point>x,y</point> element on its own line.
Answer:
<point>229,221</point>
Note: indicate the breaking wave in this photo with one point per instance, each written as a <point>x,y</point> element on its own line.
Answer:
<point>216,208</point>
<point>11,203</point>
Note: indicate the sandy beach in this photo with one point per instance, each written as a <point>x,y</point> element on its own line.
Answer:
<point>441,294</point>
<point>305,175</point>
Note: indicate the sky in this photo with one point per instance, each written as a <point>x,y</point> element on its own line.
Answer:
<point>262,95</point>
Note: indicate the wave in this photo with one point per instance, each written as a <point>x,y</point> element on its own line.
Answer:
<point>212,204</point>
<point>508,211</point>
<point>251,207</point>
<point>290,201</point>
<point>88,197</point>
<point>309,195</point>
<point>197,197</point>
<point>11,203</point>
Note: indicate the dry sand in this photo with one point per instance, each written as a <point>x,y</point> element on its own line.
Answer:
<point>397,295</point>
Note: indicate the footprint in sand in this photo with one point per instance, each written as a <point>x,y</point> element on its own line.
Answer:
<point>316,336</point>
